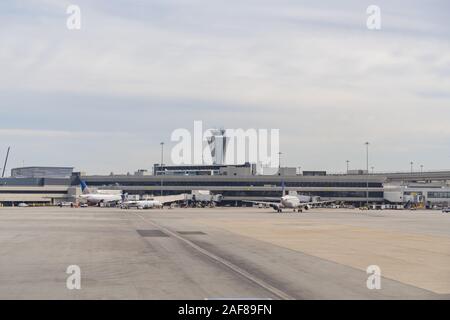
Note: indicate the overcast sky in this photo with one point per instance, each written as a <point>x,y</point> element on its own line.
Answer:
<point>103,97</point>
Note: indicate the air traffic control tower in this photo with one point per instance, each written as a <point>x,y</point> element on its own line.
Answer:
<point>218,145</point>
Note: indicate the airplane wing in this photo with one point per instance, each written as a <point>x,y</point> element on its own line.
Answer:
<point>304,204</point>
<point>169,199</point>
<point>274,205</point>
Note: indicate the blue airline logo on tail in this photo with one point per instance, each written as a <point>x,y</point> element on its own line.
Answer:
<point>83,185</point>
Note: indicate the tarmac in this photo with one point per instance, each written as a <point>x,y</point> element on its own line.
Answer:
<point>223,253</point>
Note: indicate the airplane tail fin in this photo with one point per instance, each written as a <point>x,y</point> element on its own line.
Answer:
<point>283,190</point>
<point>84,187</point>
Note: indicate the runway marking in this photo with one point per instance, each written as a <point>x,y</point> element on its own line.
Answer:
<point>152,233</point>
<point>191,233</point>
<point>277,292</point>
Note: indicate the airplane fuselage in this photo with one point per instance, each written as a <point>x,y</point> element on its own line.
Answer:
<point>144,204</point>
<point>291,202</point>
<point>96,198</point>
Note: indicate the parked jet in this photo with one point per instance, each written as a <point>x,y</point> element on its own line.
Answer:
<point>141,204</point>
<point>156,202</point>
<point>294,202</point>
<point>95,198</point>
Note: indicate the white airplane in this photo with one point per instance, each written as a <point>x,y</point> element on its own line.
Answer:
<point>142,204</point>
<point>156,202</point>
<point>98,197</point>
<point>290,202</point>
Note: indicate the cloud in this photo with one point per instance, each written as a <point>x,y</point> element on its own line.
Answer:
<point>312,70</point>
<point>59,134</point>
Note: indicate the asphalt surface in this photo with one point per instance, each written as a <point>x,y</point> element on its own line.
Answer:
<point>222,253</point>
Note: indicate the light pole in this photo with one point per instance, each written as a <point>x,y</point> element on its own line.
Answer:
<point>372,169</point>
<point>421,168</point>
<point>411,163</point>
<point>367,174</point>
<point>162,153</point>
<point>348,161</point>
<point>161,165</point>
<point>279,161</point>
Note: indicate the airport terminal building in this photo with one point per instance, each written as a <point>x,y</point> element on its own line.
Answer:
<point>235,188</point>
<point>37,185</point>
<point>51,185</point>
<point>234,183</point>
